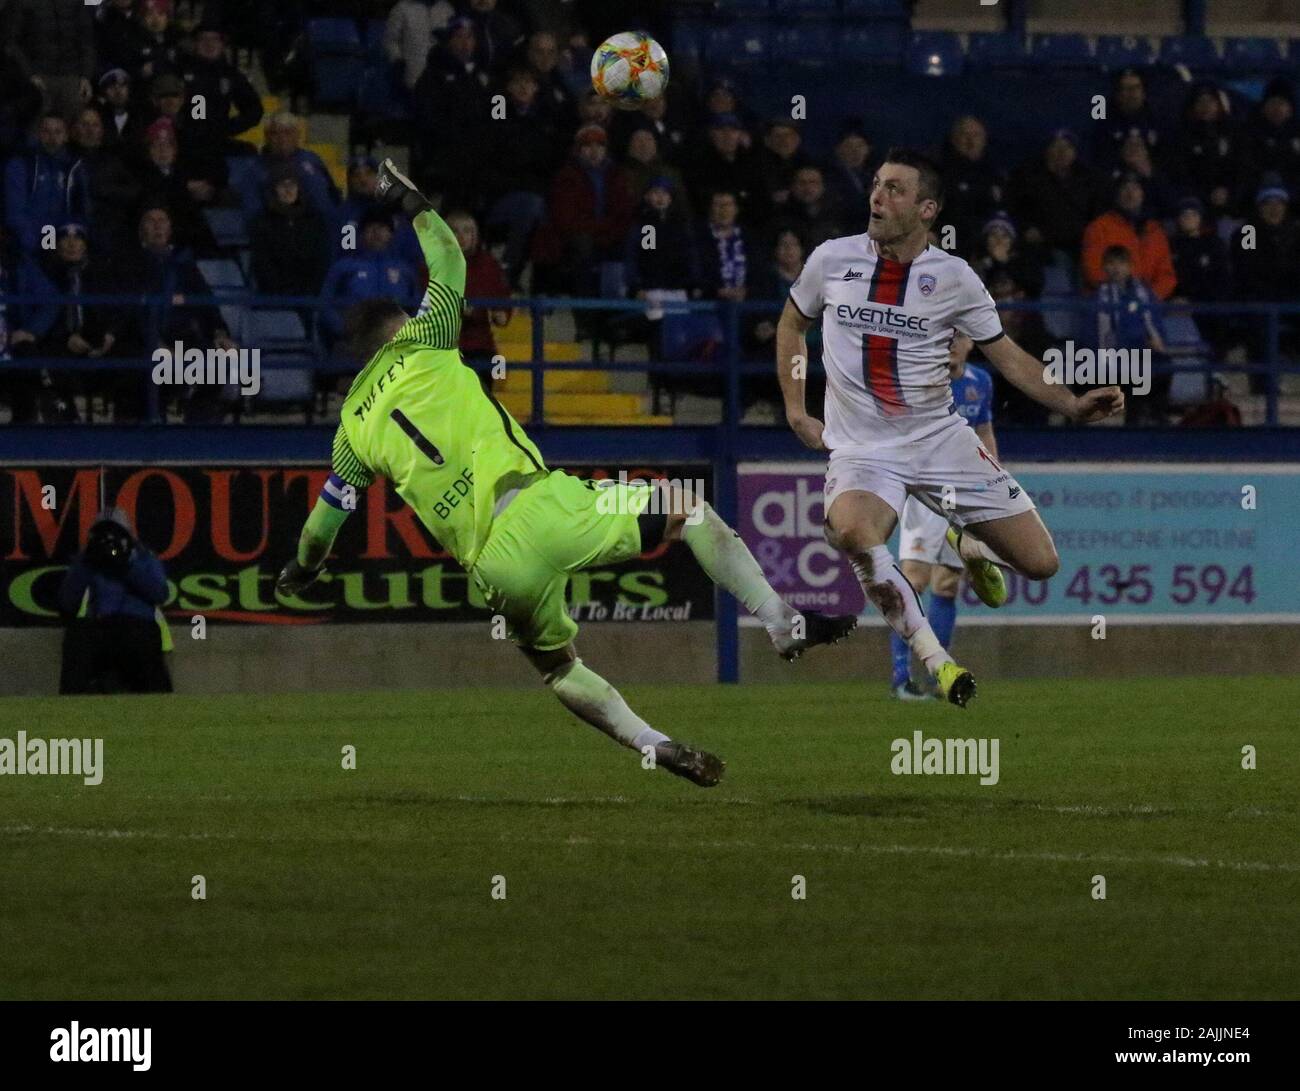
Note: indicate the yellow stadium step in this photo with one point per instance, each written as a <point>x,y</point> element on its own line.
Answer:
<point>660,421</point>
<point>584,408</point>
<point>520,381</point>
<point>562,352</point>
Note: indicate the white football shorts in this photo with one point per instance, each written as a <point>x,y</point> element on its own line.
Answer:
<point>948,466</point>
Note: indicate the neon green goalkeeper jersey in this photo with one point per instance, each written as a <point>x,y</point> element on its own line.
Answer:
<point>419,417</point>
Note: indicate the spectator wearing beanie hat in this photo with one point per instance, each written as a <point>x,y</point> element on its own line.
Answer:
<point>124,120</point>
<point>1001,252</point>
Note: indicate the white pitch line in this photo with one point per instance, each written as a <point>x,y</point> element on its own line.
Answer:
<point>949,850</point>
<point>859,850</point>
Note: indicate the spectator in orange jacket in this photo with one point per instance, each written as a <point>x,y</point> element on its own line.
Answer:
<point>1129,225</point>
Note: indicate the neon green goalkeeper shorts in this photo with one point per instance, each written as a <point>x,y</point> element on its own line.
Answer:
<point>554,528</point>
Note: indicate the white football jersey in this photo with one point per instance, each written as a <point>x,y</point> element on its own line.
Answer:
<point>886,328</point>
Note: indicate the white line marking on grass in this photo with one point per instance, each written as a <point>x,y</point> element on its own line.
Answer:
<point>859,850</point>
<point>955,851</point>
<point>157,835</point>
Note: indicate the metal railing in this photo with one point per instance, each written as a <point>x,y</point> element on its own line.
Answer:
<point>728,360</point>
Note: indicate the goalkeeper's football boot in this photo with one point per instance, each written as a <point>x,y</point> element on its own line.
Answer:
<point>985,577</point>
<point>956,684</point>
<point>698,766</point>
<point>909,691</point>
<point>394,190</point>
<point>817,629</point>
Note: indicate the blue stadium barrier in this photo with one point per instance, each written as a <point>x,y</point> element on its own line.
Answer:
<point>804,9</point>
<point>997,49</point>
<point>1061,50</point>
<point>275,324</point>
<point>1124,50</point>
<point>803,43</point>
<point>1254,54</point>
<point>738,44</point>
<point>1198,54</point>
<point>743,8</point>
<point>877,9</point>
<point>882,43</point>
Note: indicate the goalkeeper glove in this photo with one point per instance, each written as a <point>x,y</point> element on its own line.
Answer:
<point>395,190</point>
<point>294,577</point>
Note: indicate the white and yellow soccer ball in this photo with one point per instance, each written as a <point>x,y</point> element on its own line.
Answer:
<point>629,69</point>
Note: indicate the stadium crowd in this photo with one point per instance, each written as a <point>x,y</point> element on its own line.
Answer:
<point>109,170</point>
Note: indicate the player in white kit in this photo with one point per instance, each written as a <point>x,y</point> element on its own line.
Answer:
<point>890,304</point>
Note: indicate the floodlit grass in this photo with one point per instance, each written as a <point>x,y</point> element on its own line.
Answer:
<point>622,882</point>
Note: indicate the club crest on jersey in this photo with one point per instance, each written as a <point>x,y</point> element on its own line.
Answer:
<point>926,283</point>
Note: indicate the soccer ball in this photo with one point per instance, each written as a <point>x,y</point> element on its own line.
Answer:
<point>629,69</point>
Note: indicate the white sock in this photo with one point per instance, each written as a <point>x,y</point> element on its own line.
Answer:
<point>894,597</point>
<point>729,563</point>
<point>589,697</point>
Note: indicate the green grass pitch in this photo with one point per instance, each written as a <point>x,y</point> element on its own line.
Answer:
<point>619,882</point>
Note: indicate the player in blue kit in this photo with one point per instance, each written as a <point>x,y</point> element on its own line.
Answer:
<point>928,559</point>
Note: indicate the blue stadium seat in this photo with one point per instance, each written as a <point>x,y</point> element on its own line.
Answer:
<point>996,49</point>
<point>245,178</point>
<point>281,383</point>
<point>804,42</point>
<point>738,44</point>
<point>379,96</point>
<point>1254,54</point>
<point>613,280</point>
<point>877,9</point>
<point>935,53</point>
<point>878,43</point>
<point>1060,50</point>
<point>683,336</point>
<point>1122,50</point>
<point>1182,332</point>
<point>1196,53</point>
<point>336,36</point>
<point>221,273</point>
<point>335,80</point>
<point>281,328</point>
<point>228,226</point>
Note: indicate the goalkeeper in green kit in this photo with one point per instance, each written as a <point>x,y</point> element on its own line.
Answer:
<point>419,416</point>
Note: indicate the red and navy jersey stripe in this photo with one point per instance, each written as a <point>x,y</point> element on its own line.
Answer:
<point>880,354</point>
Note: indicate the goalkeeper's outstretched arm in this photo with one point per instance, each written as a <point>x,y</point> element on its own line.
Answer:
<point>438,321</point>
<point>337,500</point>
